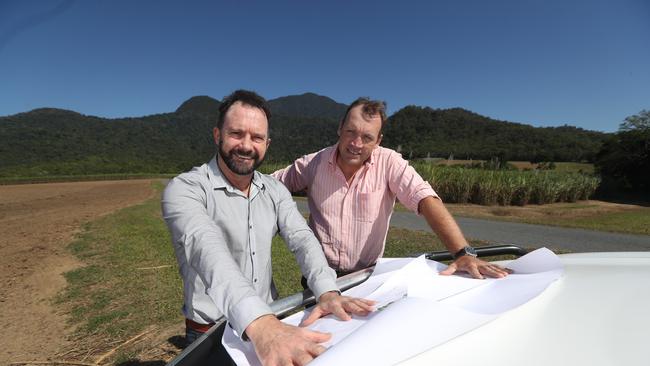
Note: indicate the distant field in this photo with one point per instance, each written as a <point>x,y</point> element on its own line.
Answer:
<point>567,167</point>
<point>575,167</point>
<point>79,178</point>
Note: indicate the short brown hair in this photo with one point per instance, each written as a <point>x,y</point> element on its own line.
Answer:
<point>370,108</point>
<point>245,97</point>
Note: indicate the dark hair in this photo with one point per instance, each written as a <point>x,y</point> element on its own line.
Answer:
<point>370,108</point>
<point>245,97</point>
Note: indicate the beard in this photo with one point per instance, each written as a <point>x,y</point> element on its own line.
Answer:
<point>236,167</point>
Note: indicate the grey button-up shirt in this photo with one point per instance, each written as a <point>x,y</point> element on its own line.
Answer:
<point>222,240</point>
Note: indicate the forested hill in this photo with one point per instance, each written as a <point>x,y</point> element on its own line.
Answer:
<point>421,132</point>
<point>51,141</point>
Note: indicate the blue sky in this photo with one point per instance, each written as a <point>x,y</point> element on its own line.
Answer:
<point>544,63</point>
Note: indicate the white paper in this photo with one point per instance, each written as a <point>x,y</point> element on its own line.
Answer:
<point>417,309</point>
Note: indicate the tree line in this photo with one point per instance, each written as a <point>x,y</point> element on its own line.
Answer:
<point>58,142</point>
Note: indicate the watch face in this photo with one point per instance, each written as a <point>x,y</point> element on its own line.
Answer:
<point>470,251</point>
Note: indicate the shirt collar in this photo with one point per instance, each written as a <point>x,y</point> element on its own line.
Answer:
<point>219,181</point>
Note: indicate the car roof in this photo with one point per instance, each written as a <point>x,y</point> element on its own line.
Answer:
<point>596,314</point>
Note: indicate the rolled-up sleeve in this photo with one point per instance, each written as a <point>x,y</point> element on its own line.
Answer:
<point>297,176</point>
<point>202,243</point>
<point>408,185</point>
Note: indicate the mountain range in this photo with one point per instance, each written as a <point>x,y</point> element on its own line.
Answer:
<point>49,141</point>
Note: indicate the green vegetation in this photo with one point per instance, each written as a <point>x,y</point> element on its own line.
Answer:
<point>567,167</point>
<point>591,215</point>
<point>51,142</point>
<point>425,132</point>
<point>130,280</point>
<point>79,178</point>
<point>624,160</point>
<point>631,222</point>
<point>506,187</point>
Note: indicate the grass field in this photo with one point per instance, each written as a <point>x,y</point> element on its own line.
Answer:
<point>79,178</point>
<point>130,280</point>
<point>565,167</point>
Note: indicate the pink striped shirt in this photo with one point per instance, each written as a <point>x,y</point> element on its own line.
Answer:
<point>351,220</point>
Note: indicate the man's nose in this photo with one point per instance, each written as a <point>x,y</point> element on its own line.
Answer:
<point>357,141</point>
<point>246,143</point>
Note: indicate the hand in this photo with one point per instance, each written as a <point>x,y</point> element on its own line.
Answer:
<point>475,267</point>
<point>279,344</point>
<point>340,306</point>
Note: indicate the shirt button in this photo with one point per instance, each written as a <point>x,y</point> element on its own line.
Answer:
<point>250,226</point>
<point>253,253</point>
<point>255,280</point>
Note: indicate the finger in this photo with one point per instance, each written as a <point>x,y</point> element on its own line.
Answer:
<point>494,271</point>
<point>491,272</point>
<point>340,313</point>
<point>450,270</point>
<point>364,305</point>
<point>353,308</point>
<point>316,350</point>
<point>315,315</point>
<point>302,357</point>
<point>474,272</point>
<point>317,337</point>
<point>367,302</point>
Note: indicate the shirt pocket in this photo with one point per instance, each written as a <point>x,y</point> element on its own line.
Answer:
<point>367,205</point>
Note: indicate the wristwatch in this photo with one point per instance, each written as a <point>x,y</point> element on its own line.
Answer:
<point>467,250</point>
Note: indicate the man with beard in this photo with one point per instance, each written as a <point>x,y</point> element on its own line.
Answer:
<point>222,217</point>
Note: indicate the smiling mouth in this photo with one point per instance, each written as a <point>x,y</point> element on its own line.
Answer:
<point>243,157</point>
<point>354,153</point>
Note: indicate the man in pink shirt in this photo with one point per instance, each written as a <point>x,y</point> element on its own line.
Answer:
<point>352,187</point>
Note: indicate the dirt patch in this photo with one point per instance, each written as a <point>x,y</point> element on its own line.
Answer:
<point>37,221</point>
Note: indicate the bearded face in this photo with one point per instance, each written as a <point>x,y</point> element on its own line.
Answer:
<point>239,160</point>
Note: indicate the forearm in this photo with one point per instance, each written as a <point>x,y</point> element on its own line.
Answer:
<point>442,223</point>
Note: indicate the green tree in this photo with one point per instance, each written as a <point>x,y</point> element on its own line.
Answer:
<point>624,160</point>
<point>639,121</point>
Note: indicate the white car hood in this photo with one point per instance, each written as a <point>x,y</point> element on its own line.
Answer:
<point>596,314</point>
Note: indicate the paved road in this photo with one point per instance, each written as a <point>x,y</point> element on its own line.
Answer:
<point>527,235</point>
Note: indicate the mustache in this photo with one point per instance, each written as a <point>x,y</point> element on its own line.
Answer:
<point>244,153</point>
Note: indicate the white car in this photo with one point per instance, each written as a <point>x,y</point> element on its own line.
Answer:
<point>594,315</point>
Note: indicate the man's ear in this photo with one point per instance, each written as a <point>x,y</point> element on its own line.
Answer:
<point>379,138</point>
<point>215,134</point>
<point>268,142</point>
<point>338,132</point>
